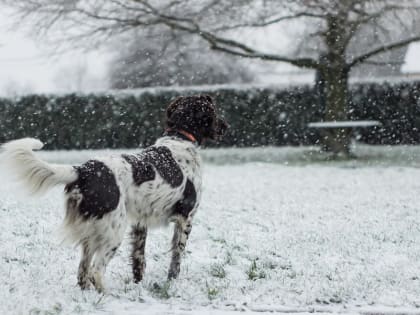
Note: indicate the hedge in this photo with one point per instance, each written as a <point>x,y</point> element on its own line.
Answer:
<point>257,116</point>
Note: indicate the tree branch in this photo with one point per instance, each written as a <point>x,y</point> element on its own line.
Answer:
<point>384,63</point>
<point>229,46</point>
<point>270,22</point>
<point>239,49</point>
<point>380,50</point>
<point>300,62</point>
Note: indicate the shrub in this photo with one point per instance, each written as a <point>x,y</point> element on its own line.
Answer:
<point>257,116</point>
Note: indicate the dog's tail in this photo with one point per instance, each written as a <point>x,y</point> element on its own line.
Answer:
<point>18,158</point>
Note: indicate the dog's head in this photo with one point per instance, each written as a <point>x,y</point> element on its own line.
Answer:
<point>196,115</point>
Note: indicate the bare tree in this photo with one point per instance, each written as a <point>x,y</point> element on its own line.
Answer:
<point>160,57</point>
<point>326,46</point>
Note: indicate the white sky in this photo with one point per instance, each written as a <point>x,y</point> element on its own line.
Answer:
<point>28,67</point>
<point>412,59</point>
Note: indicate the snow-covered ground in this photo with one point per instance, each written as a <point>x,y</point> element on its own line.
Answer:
<point>279,229</point>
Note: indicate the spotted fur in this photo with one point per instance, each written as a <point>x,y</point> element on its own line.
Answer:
<point>163,195</point>
<point>157,186</point>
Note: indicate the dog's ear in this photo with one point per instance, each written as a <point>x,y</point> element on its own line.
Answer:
<point>208,98</point>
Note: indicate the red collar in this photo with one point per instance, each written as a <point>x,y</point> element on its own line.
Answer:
<point>186,134</point>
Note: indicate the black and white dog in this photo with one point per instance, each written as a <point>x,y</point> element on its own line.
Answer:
<point>159,185</point>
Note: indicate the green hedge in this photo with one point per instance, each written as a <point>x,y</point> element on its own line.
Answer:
<point>257,116</point>
<point>396,106</point>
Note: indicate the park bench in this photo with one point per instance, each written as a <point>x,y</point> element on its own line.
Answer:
<point>350,125</point>
<point>344,124</point>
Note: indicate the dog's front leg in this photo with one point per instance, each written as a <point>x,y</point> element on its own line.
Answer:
<point>181,232</point>
<point>138,260</point>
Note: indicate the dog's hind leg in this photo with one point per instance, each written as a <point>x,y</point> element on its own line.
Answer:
<point>182,230</point>
<point>102,258</point>
<point>138,235</point>
<point>109,233</point>
<point>84,266</point>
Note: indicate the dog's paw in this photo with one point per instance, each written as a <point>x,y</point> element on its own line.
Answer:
<point>84,285</point>
<point>174,270</point>
<point>83,281</point>
<point>96,280</point>
<point>138,271</point>
<point>137,278</point>
<point>173,274</point>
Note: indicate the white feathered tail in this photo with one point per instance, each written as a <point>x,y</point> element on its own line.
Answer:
<point>18,158</point>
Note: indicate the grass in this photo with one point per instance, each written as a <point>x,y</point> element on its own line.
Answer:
<point>218,271</point>
<point>364,155</point>
<point>161,291</point>
<point>318,235</point>
<point>254,272</point>
<point>212,292</point>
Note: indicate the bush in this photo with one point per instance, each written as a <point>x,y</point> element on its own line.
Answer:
<point>257,116</point>
<point>397,107</point>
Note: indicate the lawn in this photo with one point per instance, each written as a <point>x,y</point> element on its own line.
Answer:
<point>278,229</point>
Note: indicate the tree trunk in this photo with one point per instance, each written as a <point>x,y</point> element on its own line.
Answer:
<point>336,140</point>
<point>334,70</point>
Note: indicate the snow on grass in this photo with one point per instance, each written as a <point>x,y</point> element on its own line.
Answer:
<point>278,230</point>
<point>375,156</point>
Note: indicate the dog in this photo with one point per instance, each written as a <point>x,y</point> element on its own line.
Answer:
<point>159,185</point>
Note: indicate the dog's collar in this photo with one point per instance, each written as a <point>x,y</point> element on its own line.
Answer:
<point>181,133</point>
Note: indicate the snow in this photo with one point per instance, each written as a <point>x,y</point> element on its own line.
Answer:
<point>207,88</point>
<point>278,230</point>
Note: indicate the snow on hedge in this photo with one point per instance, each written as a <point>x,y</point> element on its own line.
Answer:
<point>295,236</point>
